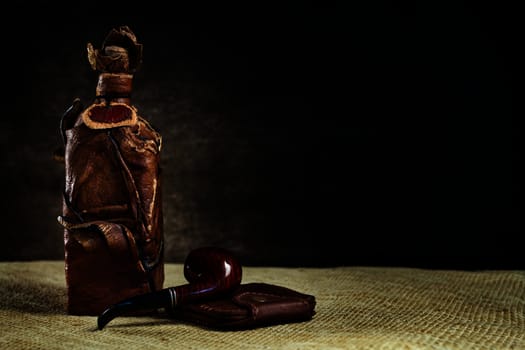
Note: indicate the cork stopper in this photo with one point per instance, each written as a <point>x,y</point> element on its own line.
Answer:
<point>120,52</point>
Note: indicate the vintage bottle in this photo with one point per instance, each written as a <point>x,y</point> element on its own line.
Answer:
<point>112,209</point>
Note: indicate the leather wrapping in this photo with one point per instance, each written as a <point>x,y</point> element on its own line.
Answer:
<point>252,305</point>
<point>112,211</point>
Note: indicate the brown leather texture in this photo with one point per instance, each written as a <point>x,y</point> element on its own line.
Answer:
<point>252,305</point>
<point>112,212</point>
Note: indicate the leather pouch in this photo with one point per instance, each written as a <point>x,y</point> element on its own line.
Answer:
<point>252,305</point>
<point>112,215</point>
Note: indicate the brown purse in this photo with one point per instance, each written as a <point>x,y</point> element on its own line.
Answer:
<point>252,305</point>
<point>112,209</point>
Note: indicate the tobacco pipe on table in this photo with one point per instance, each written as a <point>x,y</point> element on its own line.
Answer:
<point>211,272</point>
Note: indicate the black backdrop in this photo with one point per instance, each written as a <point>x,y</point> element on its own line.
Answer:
<point>296,134</point>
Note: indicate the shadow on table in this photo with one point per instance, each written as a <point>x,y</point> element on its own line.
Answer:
<point>138,321</point>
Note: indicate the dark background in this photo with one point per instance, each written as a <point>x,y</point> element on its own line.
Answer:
<point>296,134</point>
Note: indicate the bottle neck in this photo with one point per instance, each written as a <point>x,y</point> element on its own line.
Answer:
<point>114,87</point>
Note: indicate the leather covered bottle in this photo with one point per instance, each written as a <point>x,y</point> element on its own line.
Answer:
<point>112,210</point>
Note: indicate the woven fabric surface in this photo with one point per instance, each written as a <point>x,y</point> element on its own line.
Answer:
<point>357,308</point>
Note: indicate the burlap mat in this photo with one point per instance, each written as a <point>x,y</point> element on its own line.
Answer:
<point>357,308</point>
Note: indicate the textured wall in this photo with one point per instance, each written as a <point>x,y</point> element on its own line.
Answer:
<point>293,135</point>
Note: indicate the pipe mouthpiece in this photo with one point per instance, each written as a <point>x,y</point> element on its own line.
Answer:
<point>137,304</point>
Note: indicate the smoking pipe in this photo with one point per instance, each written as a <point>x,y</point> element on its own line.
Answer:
<point>211,273</point>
